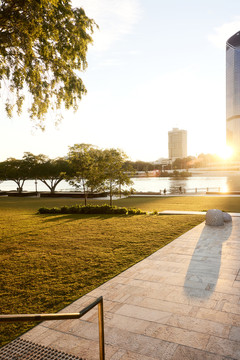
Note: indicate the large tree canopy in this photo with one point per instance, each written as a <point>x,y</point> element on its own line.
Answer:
<point>115,170</point>
<point>51,172</point>
<point>86,172</point>
<point>17,170</point>
<point>43,46</point>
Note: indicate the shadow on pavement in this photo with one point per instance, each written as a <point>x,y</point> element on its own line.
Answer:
<point>203,271</point>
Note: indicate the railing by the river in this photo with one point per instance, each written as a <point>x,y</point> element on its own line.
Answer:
<point>196,190</point>
<point>187,191</point>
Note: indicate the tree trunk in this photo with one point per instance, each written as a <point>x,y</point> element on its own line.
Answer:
<point>110,193</point>
<point>53,187</point>
<point>85,195</point>
<point>19,186</point>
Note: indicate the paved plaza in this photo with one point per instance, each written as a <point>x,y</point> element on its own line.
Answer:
<point>182,302</point>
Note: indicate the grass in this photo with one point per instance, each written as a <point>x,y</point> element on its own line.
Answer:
<point>48,261</point>
<point>194,203</point>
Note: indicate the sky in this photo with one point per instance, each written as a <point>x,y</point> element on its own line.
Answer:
<point>154,65</point>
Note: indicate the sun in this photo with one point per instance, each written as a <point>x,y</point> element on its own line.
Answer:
<point>226,152</point>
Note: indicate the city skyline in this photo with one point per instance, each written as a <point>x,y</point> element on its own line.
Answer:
<point>153,66</point>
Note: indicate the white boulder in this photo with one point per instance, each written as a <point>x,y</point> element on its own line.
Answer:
<point>214,217</point>
<point>227,217</point>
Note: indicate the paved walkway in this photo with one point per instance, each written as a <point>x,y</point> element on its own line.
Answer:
<point>182,302</point>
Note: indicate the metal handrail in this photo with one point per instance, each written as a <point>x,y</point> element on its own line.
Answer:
<point>43,317</point>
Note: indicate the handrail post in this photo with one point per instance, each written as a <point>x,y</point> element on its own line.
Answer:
<point>101,330</point>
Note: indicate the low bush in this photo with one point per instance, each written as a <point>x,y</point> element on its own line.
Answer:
<point>154,212</point>
<point>91,209</point>
<point>134,211</point>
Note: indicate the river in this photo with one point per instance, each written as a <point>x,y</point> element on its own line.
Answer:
<point>230,182</point>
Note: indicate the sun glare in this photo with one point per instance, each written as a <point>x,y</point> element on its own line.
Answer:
<point>226,152</point>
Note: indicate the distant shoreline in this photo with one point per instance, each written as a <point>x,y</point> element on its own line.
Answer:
<point>195,173</point>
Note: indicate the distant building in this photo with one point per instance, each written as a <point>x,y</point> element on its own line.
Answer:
<point>177,144</point>
<point>233,92</point>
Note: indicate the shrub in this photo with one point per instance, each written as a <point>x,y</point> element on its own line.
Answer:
<point>134,211</point>
<point>42,210</point>
<point>64,210</point>
<point>120,210</point>
<point>74,209</point>
<point>91,209</point>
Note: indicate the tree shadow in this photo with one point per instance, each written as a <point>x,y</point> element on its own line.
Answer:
<point>73,217</point>
<point>48,218</point>
<point>203,271</point>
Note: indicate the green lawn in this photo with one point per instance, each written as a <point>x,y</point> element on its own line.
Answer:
<point>48,261</point>
<point>194,203</point>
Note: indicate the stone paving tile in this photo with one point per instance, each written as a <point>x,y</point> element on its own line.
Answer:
<point>135,356</point>
<point>236,284</point>
<point>227,289</point>
<point>219,316</point>
<point>200,325</point>
<point>227,298</point>
<point>174,278</point>
<point>78,304</point>
<point>169,293</point>
<point>231,308</point>
<point>45,338</point>
<point>177,258</point>
<point>126,323</point>
<point>33,335</point>
<point>188,353</point>
<point>156,304</point>
<point>224,347</point>
<point>141,344</point>
<point>204,264</point>
<point>108,306</point>
<point>178,335</point>
<point>80,328</point>
<point>118,355</point>
<point>142,313</point>
<point>85,348</point>
<point>235,333</point>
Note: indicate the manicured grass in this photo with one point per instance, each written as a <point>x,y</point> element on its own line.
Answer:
<point>48,261</point>
<point>194,203</point>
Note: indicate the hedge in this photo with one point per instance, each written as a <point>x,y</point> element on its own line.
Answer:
<point>91,209</point>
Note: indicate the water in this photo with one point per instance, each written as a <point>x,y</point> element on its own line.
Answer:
<point>213,183</point>
<point>189,185</point>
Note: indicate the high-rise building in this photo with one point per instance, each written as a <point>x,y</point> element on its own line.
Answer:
<point>177,144</point>
<point>233,92</point>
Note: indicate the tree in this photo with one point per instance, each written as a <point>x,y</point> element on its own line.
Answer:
<point>178,163</point>
<point>51,171</point>
<point>43,46</point>
<point>17,170</point>
<point>114,170</point>
<point>84,160</point>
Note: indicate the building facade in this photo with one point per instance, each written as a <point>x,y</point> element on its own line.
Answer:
<point>233,92</point>
<point>177,144</point>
